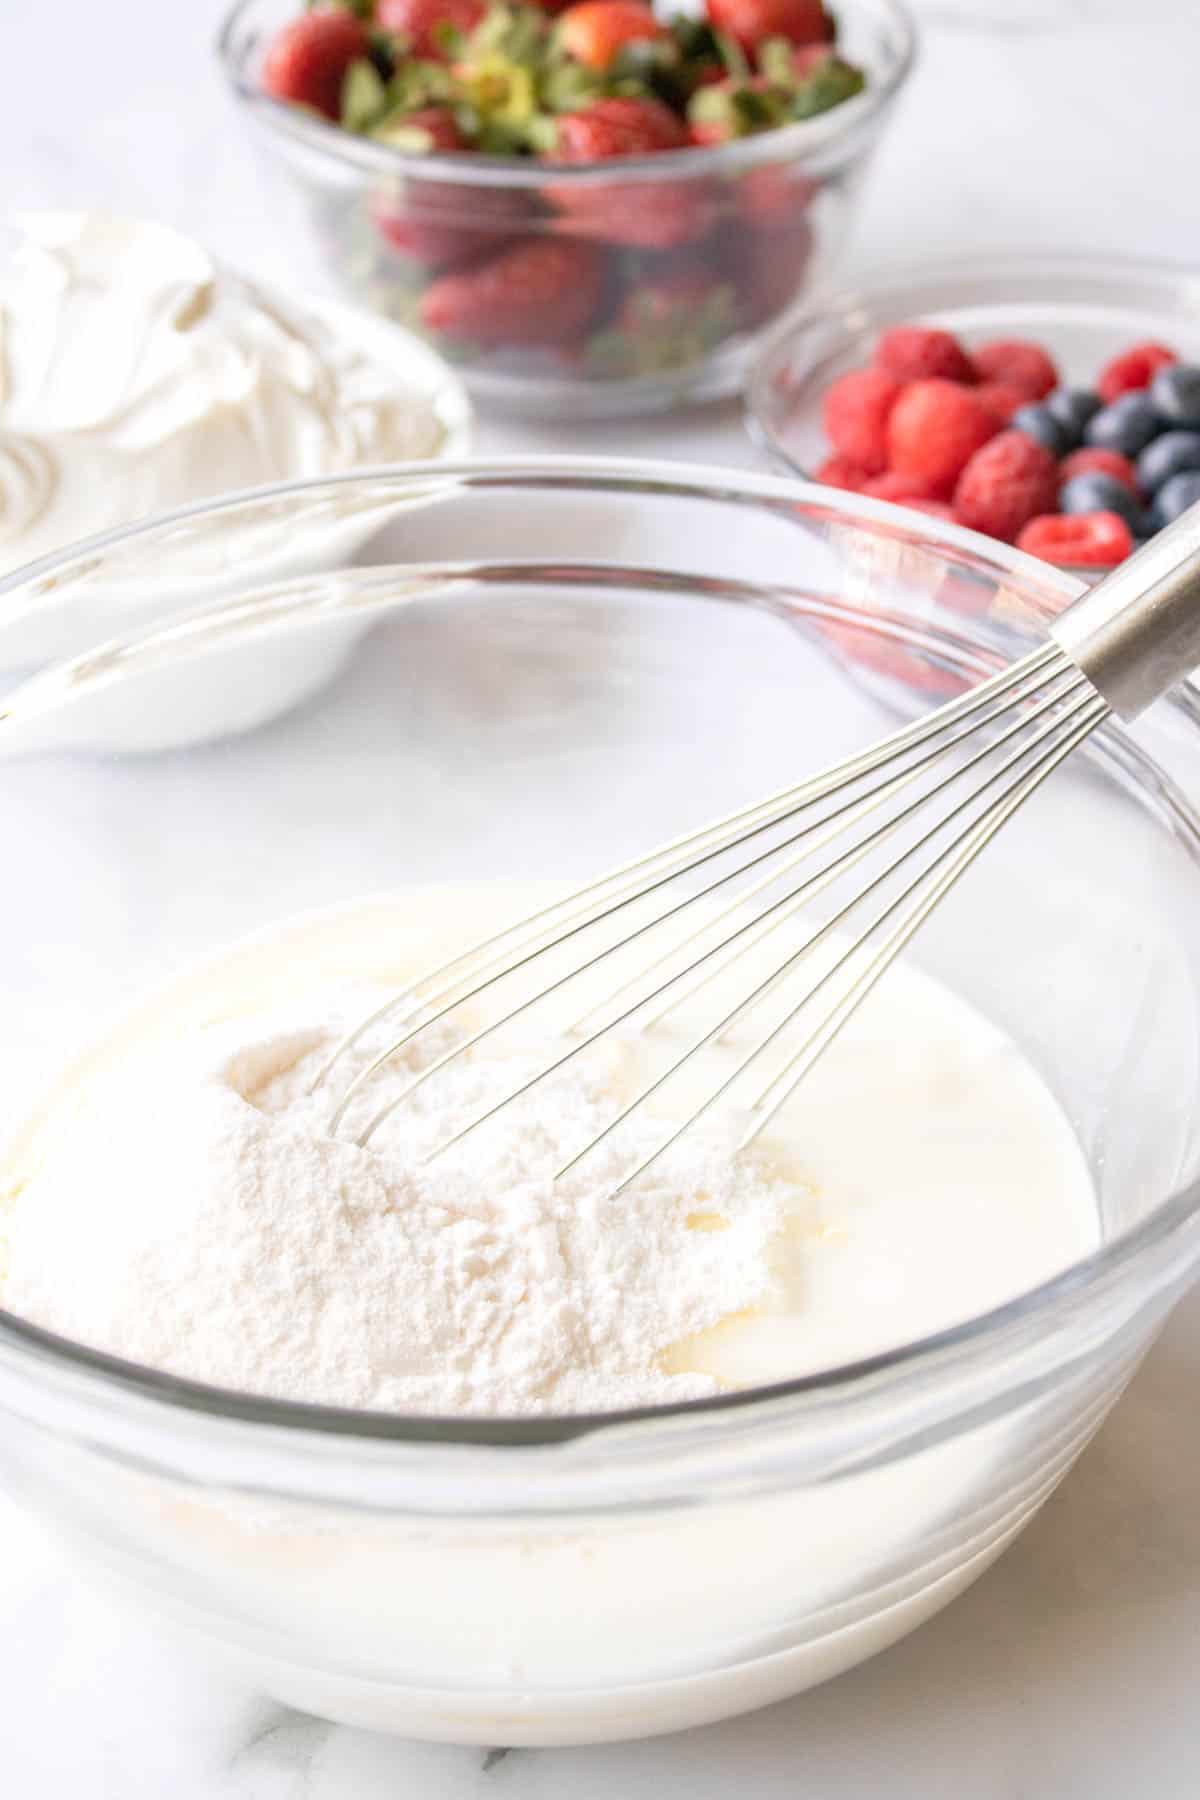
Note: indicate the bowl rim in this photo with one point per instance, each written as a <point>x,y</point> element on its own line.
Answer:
<point>818,134</point>
<point>1108,1265</point>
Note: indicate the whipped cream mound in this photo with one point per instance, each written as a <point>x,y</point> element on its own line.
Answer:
<point>137,375</point>
<point>200,1218</point>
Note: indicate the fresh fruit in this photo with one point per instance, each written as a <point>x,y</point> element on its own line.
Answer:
<point>1127,425</point>
<point>933,430</point>
<point>937,509</point>
<point>767,258</point>
<point>1133,370</point>
<point>543,291</point>
<point>665,323</point>
<point>890,486</point>
<point>1000,399</point>
<point>751,22</point>
<point>917,352</point>
<point>1093,491</point>
<point>428,128</point>
<point>617,126</point>
<point>1089,540</point>
<point>856,411</point>
<point>307,62</point>
<point>842,472</point>
<point>428,28</point>
<point>1174,497</point>
<point>1018,364</point>
<point>1072,408</point>
<point>652,215</point>
<point>1171,454</point>
<point>1175,393</point>
<point>596,31</point>
<point>1105,462</point>
<point>445,225</point>
<point>1007,482</point>
<point>1039,423</point>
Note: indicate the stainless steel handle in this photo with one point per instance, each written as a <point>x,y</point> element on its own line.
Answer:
<point>1138,631</point>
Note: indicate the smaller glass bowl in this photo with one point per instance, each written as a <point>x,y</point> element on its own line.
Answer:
<point>1084,309</point>
<point>692,254</point>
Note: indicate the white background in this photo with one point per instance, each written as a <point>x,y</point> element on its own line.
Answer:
<point>1070,1670</point>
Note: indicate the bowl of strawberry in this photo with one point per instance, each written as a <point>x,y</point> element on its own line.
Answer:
<point>1053,404</point>
<point>593,209</point>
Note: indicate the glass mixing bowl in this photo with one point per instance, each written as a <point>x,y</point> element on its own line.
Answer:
<point>698,252</point>
<point>566,663</point>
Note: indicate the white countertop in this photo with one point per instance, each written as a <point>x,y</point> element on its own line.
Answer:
<point>1069,1670</point>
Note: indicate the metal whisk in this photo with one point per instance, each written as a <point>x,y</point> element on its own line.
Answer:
<point>911,813</point>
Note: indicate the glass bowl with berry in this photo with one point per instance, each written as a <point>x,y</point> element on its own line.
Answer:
<point>593,210</point>
<point>1050,402</point>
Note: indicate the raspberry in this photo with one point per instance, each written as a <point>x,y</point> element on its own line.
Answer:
<point>1017,364</point>
<point>916,352</point>
<point>1094,461</point>
<point>856,410</point>
<point>1001,399</point>
<point>891,486</point>
<point>934,429</point>
<point>841,472</point>
<point>937,509</point>
<point>1005,485</point>
<point>1094,540</point>
<point>1133,370</point>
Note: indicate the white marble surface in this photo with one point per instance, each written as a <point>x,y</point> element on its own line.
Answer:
<point>1068,1671</point>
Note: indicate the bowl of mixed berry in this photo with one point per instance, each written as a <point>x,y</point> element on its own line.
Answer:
<point>596,208</point>
<point>1052,403</point>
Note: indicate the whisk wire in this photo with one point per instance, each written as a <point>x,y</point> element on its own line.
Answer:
<point>733,827</point>
<point>783,969</point>
<point>792,900</point>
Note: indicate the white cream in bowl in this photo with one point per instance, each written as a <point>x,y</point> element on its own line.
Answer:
<point>138,376</point>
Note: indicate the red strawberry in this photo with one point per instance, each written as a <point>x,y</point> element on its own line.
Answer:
<point>751,22</point>
<point>1005,484</point>
<point>934,429</point>
<point>596,31</point>
<point>307,61</point>
<point>767,261</point>
<point>1099,462</point>
<point>1133,370</point>
<point>937,509</point>
<point>653,215</point>
<point>856,409</point>
<point>915,352</point>
<point>420,22</point>
<point>1017,364</point>
<point>436,125</point>
<point>618,127</point>
<point>890,486</point>
<point>1001,399</point>
<point>668,301</point>
<point>543,291</point>
<point>445,224</point>
<point>1093,540</point>
<point>839,472</point>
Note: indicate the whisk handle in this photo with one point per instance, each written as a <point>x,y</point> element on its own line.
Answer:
<point>1137,632</point>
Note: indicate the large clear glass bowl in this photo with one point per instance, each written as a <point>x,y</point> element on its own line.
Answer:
<point>693,253</point>
<point>563,664</point>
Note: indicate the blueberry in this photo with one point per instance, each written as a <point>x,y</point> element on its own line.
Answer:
<point>1126,426</point>
<point>1097,492</point>
<point>1039,423</point>
<point>1175,393</point>
<point>1168,455</point>
<point>1174,497</point>
<point>1072,408</point>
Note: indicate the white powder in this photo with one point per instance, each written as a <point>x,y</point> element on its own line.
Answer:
<point>200,1218</point>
